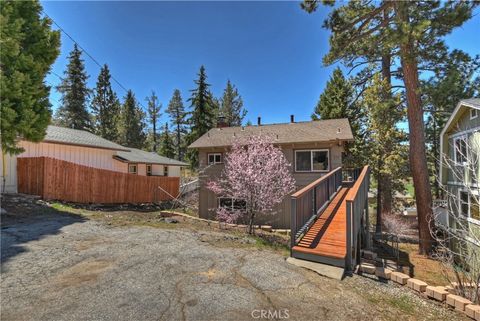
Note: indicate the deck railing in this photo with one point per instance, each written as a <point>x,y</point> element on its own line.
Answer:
<point>357,206</point>
<point>311,200</point>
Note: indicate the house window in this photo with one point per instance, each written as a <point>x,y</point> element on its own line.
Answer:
<point>232,203</point>
<point>214,158</point>
<point>312,160</point>
<point>469,205</point>
<point>473,113</point>
<point>149,170</point>
<point>165,170</point>
<point>460,144</point>
<point>132,168</point>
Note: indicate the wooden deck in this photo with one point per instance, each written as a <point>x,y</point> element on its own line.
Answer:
<point>327,236</point>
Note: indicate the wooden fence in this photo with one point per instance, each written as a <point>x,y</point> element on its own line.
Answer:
<point>56,179</point>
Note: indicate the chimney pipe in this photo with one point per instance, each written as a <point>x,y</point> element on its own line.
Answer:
<point>292,118</point>
<point>259,121</point>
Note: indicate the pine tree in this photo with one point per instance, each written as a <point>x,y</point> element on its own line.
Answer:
<point>28,49</point>
<point>132,125</point>
<point>365,32</point>
<point>231,106</point>
<point>202,114</point>
<point>153,111</point>
<point>338,101</point>
<point>386,149</point>
<point>105,107</point>
<point>73,112</point>
<point>177,113</point>
<point>167,147</point>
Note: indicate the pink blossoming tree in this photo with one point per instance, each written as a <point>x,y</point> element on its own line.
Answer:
<point>257,174</point>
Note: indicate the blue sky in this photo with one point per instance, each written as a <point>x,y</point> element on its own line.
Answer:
<point>271,51</point>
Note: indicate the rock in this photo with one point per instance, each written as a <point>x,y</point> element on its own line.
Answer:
<point>171,220</point>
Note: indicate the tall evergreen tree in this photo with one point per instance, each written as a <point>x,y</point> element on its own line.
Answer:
<point>105,107</point>
<point>29,47</point>
<point>412,34</point>
<point>178,116</point>
<point>202,114</point>
<point>153,111</point>
<point>167,148</point>
<point>338,101</point>
<point>73,112</point>
<point>386,149</point>
<point>231,106</point>
<point>132,125</point>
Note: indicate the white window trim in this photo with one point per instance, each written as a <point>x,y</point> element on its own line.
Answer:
<point>471,113</point>
<point>311,160</point>
<point>469,215</point>
<point>136,169</point>
<point>214,161</point>
<point>464,138</point>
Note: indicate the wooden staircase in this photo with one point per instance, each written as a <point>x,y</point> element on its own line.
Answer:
<point>332,232</point>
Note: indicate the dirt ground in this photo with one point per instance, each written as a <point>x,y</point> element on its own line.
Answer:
<point>64,264</point>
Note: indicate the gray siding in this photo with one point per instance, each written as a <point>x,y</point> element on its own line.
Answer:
<point>281,216</point>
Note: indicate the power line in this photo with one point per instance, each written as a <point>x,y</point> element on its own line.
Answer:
<point>88,54</point>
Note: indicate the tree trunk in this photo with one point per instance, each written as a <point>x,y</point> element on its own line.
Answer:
<point>378,225</point>
<point>418,157</point>
<point>178,143</point>
<point>387,200</point>
<point>250,223</point>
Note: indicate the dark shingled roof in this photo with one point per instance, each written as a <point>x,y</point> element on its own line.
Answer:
<point>68,136</point>
<point>141,156</point>
<point>288,133</point>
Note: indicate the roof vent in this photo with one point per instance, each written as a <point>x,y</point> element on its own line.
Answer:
<point>259,121</point>
<point>292,118</point>
<point>339,130</point>
<point>243,128</point>
<point>234,134</point>
<point>208,134</point>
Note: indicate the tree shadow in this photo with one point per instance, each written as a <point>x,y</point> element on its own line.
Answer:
<point>27,219</point>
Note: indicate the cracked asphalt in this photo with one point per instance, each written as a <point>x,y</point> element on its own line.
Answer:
<point>64,268</point>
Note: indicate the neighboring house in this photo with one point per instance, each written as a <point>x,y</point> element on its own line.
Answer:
<point>140,162</point>
<point>313,148</point>
<point>460,163</point>
<point>84,148</point>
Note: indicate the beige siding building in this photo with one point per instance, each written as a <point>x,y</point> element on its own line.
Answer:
<point>84,148</point>
<point>313,149</point>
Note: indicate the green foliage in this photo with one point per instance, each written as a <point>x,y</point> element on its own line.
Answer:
<point>132,124</point>
<point>28,49</point>
<point>75,94</point>
<point>178,116</point>
<point>202,115</point>
<point>387,153</point>
<point>231,106</point>
<point>153,111</point>
<point>338,101</point>
<point>167,146</point>
<point>105,108</point>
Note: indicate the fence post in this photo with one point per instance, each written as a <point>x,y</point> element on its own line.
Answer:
<point>293,223</point>
<point>348,257</point>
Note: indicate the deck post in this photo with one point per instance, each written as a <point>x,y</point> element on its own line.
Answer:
<point>293,223</point>
<point>348,256</point>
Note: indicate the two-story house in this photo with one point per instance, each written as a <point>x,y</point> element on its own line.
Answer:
<point>313,148</point>
<point>460,164</point>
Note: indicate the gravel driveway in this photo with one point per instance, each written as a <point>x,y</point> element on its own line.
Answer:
<point>64,267</point>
